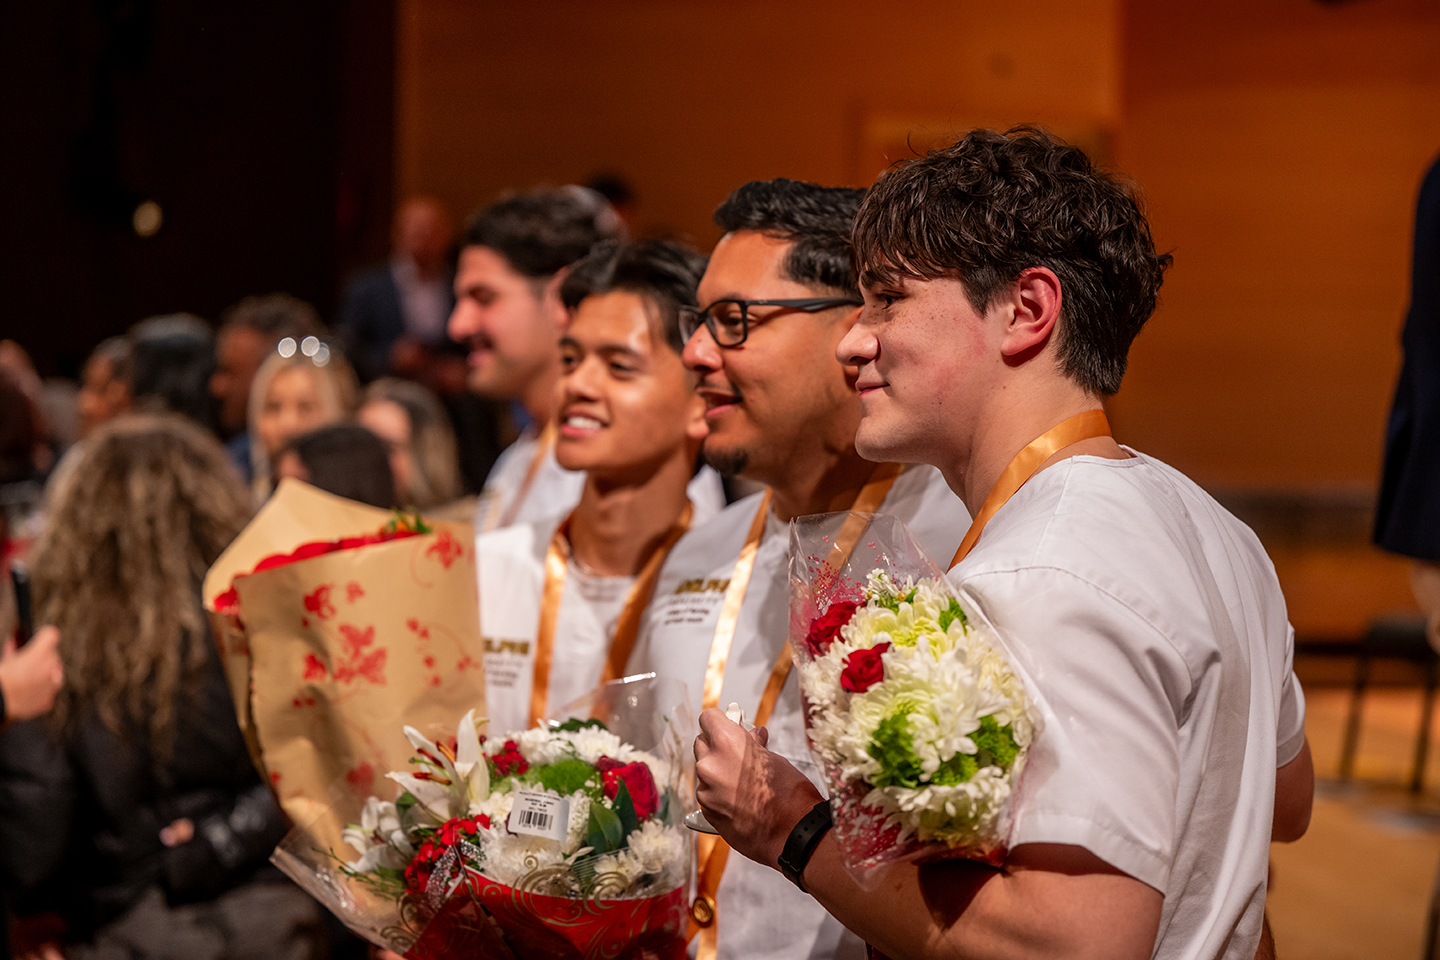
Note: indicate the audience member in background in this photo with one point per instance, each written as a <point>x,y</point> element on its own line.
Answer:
<point>31,676</point>
<point>249,332</point>
<point>508,314</point>
<point>52,401</point>
<point>416,431</point>
<point>174,356</point>
<point>294,393</point>
<point>344,459</point>
<point>630,419</point>
<point>21,446</point>
<point>616,189</point>
<point>106,389</point>
<point>394,316</point>
<point>1407,518</point>
<point>136,815</point>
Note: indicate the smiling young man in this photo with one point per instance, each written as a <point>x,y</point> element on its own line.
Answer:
<point>778,295</point>
<point>1005,279</point>
<point>560,599</point>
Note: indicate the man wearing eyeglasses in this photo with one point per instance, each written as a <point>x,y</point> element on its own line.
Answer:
<point>778,295</point>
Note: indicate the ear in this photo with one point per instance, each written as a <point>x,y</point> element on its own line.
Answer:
<point>1034,310</point>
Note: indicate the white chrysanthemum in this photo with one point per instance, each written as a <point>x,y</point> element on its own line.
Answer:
<point>660,851</point>
<point>941,683</point>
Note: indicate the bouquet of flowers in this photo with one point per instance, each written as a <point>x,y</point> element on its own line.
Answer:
<point>918,721</point>
<point>336,623</point>
<point>560,841</point>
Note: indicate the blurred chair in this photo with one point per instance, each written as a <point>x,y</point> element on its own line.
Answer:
<point>1393,638</point>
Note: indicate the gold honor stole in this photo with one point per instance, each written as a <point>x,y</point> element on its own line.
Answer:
<point>712,850</point>
<point>543,445</point>
<point>1082,426</point>
<point>557,558</point>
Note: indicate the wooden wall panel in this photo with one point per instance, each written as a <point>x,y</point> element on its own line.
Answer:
<point>1280,145</point>
<point>692,99</point>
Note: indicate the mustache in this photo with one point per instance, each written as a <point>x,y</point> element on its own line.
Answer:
<point>478,341</point>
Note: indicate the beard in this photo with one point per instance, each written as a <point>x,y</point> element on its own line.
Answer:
<point>727,463</point>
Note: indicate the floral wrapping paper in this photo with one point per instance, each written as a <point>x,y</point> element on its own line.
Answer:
<point>329,656</point>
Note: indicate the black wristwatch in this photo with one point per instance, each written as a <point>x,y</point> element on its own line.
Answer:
<point>802,842</point>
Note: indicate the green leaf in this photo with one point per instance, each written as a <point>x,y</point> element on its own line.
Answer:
<point>575,723</point>
<point>604,832</point>
<point>404,802</point>
<point>625,809</point>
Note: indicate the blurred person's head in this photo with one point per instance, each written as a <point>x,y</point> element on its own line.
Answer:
<point>150,506</point>
<point>626,402</point>
<point>1000,270</point>
<point>616,188</point>
<point>105,383</point>
<point>20,434</point>
<point>344,459</point>
<point>249,331</point>
<point>507,287</point>
<point>295,392</point>
<point>784,240</point>
<point>424,232</point>
<point>417,432</point>
<point>174,356</point>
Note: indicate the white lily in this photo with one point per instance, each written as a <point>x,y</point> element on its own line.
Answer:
<point>447,790</point>
<point>379,839</point>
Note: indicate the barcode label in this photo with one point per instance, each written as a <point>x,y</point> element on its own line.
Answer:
<point>540,815</point>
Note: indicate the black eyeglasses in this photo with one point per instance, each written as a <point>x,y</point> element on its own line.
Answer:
<point>729,320</point>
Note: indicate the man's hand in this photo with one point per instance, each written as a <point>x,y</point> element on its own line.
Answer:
<point>752,796</point>
<point>31,676</point>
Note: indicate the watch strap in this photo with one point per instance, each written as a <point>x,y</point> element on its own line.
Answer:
<point>802,842</point>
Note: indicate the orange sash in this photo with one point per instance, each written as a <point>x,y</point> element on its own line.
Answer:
<point>712,852</point>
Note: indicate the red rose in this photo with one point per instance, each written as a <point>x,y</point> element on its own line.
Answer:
<point>639,781</point>
<point>509,760</point>
<point>824,628</point>
<point>417,874</point>
<point>863,669</point>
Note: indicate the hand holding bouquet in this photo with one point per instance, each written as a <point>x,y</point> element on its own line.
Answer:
<point>920,724</point>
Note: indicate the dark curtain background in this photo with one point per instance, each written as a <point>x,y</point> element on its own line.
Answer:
<point>262,128</point>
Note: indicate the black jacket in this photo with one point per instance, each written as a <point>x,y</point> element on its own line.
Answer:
<point>1407,517</point>
<point>80,819</point>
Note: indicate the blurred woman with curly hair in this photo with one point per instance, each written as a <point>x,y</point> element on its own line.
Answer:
<point>134,813</point>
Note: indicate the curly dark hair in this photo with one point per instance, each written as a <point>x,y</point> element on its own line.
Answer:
<point>662,271</point>
<point>817,220</point>
<point>994,204</point>
<point>541,232</point>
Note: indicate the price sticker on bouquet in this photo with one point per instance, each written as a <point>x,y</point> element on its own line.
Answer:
<point>540,815</point>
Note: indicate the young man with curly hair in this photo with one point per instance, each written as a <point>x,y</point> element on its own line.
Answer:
<point>1004,280</point>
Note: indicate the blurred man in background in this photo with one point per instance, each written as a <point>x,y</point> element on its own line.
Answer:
<point>248,334</point>
<point>106,383</point>
<point>508,313</point>
<point>394,315</point>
